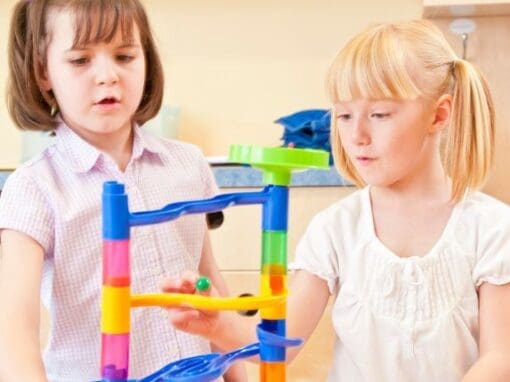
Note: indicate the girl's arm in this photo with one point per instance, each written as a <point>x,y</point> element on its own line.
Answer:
<point>494,317</point>
<point>308,297</point>
<point>21,265</point>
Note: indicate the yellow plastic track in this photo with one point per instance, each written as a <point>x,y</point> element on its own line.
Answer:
<point>206,302</point>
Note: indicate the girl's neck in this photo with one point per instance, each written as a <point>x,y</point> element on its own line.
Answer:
<point>437,193</point>
<point>429,184</point>
<point>118,145</point>
<point>121,150</point>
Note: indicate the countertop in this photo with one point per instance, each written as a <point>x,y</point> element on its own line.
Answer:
<point>236,176</point>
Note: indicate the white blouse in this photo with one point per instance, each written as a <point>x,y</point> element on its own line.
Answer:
<point>406,319</point>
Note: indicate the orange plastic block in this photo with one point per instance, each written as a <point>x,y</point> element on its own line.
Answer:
<point>272,372</point>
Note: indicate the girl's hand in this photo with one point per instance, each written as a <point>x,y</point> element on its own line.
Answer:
<point>194,321</point>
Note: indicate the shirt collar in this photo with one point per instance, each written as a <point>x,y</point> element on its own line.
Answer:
<point>145,142</point>
<point>83,156</point>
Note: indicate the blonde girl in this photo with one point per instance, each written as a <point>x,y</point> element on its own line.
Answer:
<point>417,260</point>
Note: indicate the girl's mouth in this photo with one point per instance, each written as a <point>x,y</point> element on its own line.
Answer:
<point>108,104</point>
<point>108,101</point>
<point>364,161</point>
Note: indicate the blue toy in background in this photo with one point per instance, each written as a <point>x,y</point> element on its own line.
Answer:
<point>307,129</point>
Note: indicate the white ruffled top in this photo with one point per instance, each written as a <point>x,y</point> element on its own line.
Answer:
<point>406,319</point>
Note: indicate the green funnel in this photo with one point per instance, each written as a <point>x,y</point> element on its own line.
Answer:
<point>277,163</point>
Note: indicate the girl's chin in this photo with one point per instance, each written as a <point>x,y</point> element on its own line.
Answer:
<point>378,181</point>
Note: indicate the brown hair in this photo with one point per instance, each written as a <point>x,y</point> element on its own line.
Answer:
<point>410,59</point>
<point>96,20</point>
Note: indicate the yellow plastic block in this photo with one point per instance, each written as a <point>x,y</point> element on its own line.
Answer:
<point>273,285</point>
<point>115,305</point>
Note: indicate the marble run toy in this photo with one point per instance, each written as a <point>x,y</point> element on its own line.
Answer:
<point>117,300</point>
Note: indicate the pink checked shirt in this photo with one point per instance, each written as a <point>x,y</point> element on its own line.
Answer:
<point>56,199</point>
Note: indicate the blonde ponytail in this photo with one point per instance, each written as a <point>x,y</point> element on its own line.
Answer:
<point>469,141</point>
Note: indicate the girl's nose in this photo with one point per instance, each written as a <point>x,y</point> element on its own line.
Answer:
<point>106,73</point>
<point>360,132</point>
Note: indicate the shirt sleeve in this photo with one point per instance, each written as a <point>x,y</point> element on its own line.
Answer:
<point>206,175</point>
<point>493,255</point>
<point>315,253</point>
<point>24,208</point>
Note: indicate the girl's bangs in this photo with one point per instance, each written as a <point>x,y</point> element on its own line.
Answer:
<point>98,21</point>
<point>372,66</point>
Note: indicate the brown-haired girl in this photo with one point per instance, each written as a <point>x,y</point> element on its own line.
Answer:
<point>89,71</point>
<point>418,260</point>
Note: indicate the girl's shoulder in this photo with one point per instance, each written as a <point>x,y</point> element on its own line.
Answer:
<point>33,171</point>
<point>479,207</point>
<point>483,234</point>
<point>482,225</point>
<point>171,148</point>
<point>176,146</point>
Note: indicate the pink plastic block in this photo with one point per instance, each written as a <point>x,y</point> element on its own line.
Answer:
<point>114,362</point>
<point>116,268</point>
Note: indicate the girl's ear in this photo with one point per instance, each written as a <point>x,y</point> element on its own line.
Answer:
<point>442,113</point>
<point>44,81</point>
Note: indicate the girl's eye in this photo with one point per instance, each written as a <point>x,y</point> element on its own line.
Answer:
<point>125,58</point>
<point>79,61</point>
<point>344,117</point>
<point>380,115</point>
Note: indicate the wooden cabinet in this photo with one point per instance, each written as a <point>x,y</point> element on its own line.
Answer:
<point>465,8</point>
